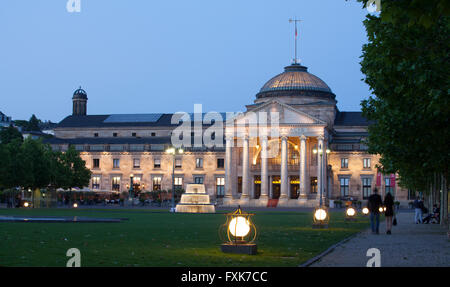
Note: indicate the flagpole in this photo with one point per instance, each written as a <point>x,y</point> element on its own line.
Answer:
<point>295,37</point>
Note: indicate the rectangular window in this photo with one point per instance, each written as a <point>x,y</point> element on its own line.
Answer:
<point>178,163</point>
<point>198,179</point>
<point>157,182</point>
<point>96,182</point>
<point>96,135</point>
<point>220,187</point>
<point>366,163</point>
<point>344,162</point>
<point>199,163</point>
<point>153,134</point>
<point>344,187</point>
<point>313,184</point>
<point>133,134</point>
<point>116,183</point>
<point>388,187</point>
<point>367,187</point>
<point>178,182</point>
<point>136,163</point>
<point>116,163</point>
<point>220,163</point>
<point>157,163</point>
<point>96,163</point>
<point>137,182</point>
<point>114,134</point>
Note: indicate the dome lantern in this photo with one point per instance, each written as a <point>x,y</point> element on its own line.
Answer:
<point>79,102</point>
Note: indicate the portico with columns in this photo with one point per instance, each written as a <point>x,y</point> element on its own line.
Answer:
<point>269,156</point>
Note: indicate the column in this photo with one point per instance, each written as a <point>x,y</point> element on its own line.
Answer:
<point>302,167</point>
<point>320,152</point>
<point>245,169</point>
<point>284,168</point>
<point>270,187</point>
<point>264,185</point>
<point>252,186</point>
<point>228,161</point>
<point>289,186</point>
<point>324,170</point>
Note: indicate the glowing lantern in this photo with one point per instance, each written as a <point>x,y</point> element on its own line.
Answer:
<point>239,226</point>
<point>26,204</point>
<point>381,209</point>
<point>320,214</point>
<point>350,212</point>
<point>365,211</point>
<point>238,233</point>
<point>75,205</point>
<point>320,218</point>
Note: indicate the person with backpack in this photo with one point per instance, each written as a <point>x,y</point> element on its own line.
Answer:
<point>374,204</point>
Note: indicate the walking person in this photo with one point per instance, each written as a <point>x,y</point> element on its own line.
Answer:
<point>374,204</point>
<point>417,210</point>
<point>389,213</point>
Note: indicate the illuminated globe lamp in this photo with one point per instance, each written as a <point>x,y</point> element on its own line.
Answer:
<point>238,233</point>
<point>365,211</point>
<point>382,209</point>
<point>350,214</point>
<point>321,217</point>
<point>75,205</point>
<point>26,204</point>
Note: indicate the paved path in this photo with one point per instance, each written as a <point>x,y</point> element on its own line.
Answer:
<point>409,245</point>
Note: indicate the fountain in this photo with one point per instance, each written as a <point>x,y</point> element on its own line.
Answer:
<point>195,200</point>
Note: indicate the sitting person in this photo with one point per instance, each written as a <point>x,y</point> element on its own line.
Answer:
<point>435,216</point>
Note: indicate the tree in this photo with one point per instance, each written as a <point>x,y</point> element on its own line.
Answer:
<point>406,66</point>
<point>33,124</point>
<point>78,175</point>
<point>33,165</point>
<point>8,134</point>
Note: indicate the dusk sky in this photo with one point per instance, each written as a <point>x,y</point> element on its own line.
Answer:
<point>165,56</point>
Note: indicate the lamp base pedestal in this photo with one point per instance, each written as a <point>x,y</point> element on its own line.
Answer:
<point>320,225</point>
<point>246,248</point>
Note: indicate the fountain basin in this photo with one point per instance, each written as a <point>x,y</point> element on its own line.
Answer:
<point>195,200</point>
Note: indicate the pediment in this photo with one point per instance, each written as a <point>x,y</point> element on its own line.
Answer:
<point>286,115</point>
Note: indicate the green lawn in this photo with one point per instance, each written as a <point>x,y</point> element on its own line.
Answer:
<point>158,238</point>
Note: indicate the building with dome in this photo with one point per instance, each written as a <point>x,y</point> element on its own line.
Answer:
<point>316,149</point>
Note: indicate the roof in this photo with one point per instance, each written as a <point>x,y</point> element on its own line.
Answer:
<point>295,81</point>
<point>351,119</point>
<point>80,93</point>
<point>122,120</point>
<point>75,121</point>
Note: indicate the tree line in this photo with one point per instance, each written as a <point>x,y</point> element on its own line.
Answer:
<point>405,63</point>
<point>32,164</point>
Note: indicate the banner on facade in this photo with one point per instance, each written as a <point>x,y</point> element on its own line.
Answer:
<point>379,179</point>
<point>392,177</point>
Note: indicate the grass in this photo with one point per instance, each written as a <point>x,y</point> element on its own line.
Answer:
<point>158,238</point>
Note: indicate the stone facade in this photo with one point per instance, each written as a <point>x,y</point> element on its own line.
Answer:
<point>316,150</point>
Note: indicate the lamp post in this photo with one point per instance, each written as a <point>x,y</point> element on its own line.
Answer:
<point>320,151</point>
<point>173,151</point>
<point>130,192</point>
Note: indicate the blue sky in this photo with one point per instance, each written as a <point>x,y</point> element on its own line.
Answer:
<point>146,56</point>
